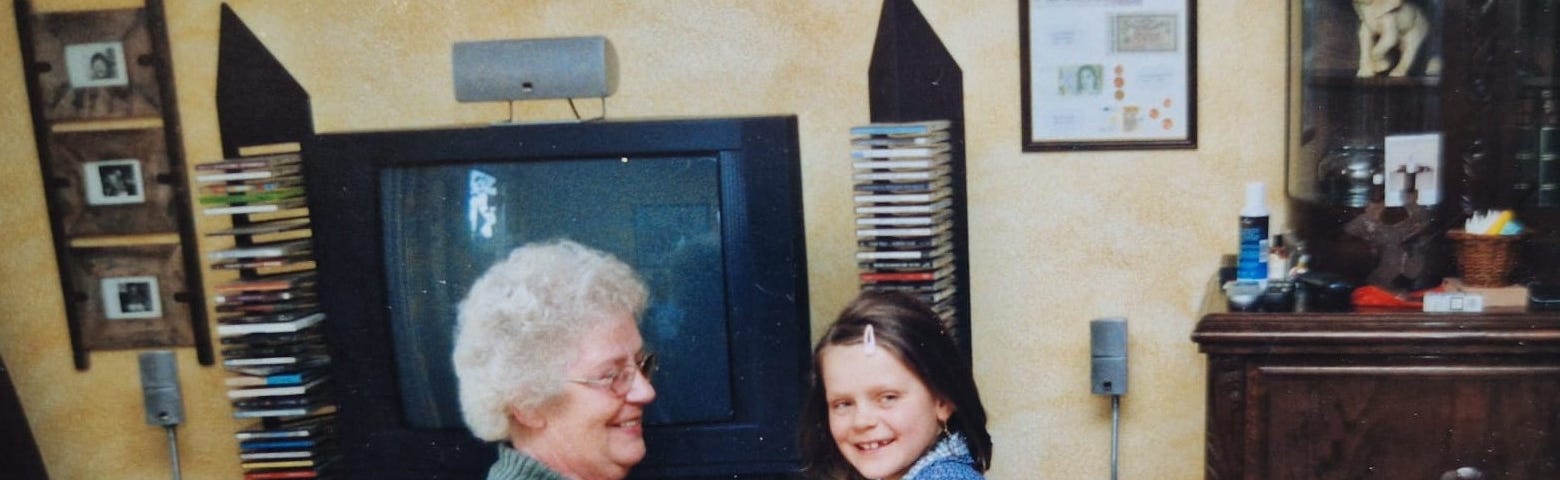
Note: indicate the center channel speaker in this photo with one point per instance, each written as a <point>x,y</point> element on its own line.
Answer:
<point>539,68</point>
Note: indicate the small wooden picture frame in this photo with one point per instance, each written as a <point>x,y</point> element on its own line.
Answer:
<point>112,182</point>
<point>129,297</point>
<point>95,65</point>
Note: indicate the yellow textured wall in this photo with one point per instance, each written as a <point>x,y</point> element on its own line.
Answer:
<point>1056,239</point>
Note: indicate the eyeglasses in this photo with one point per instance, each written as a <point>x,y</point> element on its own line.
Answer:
<point>619,381</point>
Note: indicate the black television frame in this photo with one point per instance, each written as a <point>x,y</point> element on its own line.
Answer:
<point>765,261</point>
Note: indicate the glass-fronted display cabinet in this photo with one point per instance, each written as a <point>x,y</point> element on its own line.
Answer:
<point>1406,117</point>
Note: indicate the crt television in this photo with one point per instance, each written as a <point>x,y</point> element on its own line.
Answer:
<point>708,211</point>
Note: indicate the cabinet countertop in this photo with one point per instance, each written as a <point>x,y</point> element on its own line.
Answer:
<point>1374,332</point>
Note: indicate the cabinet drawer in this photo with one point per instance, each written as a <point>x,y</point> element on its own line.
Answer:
<point>1402,421</point>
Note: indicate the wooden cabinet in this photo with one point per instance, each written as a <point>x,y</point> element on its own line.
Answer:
<point>1404,395</point>
<point>1480,79</point>
<point>1393,396</point>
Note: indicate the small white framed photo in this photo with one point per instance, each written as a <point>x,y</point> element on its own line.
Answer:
<point>131,298</point>
<point>114,182</point>
<point>98,64</point>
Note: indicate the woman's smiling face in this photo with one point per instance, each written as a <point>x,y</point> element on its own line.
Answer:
<point>592,432</point>
<point>881,414</point>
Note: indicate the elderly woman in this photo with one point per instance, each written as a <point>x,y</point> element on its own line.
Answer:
<point>551,365</point>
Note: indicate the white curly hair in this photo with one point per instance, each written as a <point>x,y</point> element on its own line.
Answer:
<point>523,320</point>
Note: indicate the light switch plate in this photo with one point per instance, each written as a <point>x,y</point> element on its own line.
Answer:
<point>1408,153</point>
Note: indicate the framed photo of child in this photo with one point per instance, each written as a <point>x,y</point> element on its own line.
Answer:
<point>131,297</point>
<point>114,182</point>
<point>97,64</point>
<point>93,65</point>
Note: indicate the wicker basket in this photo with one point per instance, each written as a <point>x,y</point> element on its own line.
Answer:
<point>1485,260</point>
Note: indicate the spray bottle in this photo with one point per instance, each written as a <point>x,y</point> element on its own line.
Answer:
<point>1251,262</point>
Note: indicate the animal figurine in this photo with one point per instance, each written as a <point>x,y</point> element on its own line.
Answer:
<point>1386,25</point>
<point>1406,250</point>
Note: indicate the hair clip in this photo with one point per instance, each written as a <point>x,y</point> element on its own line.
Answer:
<point>869,341</point>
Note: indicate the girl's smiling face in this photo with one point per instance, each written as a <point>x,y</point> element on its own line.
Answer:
<point>881,415</point>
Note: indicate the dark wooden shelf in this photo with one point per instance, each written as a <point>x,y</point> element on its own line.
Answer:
<point>1379,333</point>
<point>1348,79</point>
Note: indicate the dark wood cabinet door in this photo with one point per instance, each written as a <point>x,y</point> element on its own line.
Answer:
<point>1382,395</point>
<point>1414,420</point>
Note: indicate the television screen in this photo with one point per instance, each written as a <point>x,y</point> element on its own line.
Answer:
<point>444,224</point>
<point>708,211</point>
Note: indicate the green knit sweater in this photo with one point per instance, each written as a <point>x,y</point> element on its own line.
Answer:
<point>513,465</point>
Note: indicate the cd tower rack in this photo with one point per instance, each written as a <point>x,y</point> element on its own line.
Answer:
<point>269,326</point>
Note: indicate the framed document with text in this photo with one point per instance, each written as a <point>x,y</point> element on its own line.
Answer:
<point>1108,74</point>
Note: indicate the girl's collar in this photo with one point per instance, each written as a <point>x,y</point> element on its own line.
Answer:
<point>950,448</point>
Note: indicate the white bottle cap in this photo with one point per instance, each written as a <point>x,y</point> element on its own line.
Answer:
<point>1256,200</point>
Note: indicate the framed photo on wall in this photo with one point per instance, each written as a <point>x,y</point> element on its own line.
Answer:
<point>128,297</point>
<point>112,182</point>
<point>1108,74</point>
<point>105,119</point>
<point>95,65</point>
<point>98,64</point>
<point>131,297</point>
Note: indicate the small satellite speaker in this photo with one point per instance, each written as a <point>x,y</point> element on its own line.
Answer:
<point>1108,349</point>
<point>160,388</point>
<point>526,69</point>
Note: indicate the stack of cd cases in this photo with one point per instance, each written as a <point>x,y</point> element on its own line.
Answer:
<point>268,318</point>
<point>904,210</point>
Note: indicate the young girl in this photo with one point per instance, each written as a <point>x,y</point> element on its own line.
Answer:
<point>892,397</point>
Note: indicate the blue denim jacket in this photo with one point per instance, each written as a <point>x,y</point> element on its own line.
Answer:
<point>949,459</point>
